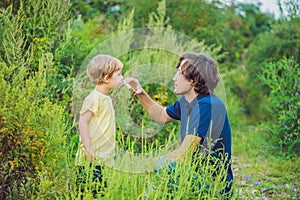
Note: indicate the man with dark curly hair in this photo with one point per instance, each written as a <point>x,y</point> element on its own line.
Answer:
<point>204,124</point>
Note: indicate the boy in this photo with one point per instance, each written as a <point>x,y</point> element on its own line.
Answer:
<point>97,119</point>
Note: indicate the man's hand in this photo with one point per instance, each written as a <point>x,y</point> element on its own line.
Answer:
<point>135,85</point>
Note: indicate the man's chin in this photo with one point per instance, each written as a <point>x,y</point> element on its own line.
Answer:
<point>176,92</point>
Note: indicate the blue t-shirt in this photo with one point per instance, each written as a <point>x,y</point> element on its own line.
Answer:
<point>205,116</point>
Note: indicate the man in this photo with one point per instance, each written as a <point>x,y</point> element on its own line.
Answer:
<point>204,124</point>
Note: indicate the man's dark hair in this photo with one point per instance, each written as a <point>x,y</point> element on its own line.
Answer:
<point>202,70</point>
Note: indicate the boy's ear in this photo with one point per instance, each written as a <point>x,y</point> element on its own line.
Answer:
<point>106,79</point>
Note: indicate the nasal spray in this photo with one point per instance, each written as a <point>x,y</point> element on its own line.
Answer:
<point>130,88</point>
<point>127,85</point>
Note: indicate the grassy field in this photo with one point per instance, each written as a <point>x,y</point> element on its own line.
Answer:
<point>261,170</point>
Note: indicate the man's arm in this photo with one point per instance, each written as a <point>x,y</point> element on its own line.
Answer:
<point>187,147</point>
<point>85,136</point>
<point>157,112</point>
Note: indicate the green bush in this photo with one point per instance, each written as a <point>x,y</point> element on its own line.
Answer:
<point>283,40</point>
<point>35,36</point>
<point>40,27</point>
<point>282,78</point>
<point>232,27</point>
<point>32,133</point>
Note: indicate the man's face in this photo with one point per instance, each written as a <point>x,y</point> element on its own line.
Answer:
<point>182,86</point>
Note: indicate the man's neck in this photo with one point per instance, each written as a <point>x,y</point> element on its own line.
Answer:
<point>190,96</point>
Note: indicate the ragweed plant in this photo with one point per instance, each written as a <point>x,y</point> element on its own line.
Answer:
<point>31,135</point>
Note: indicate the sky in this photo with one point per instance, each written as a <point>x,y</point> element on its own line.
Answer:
<point>267,5</point>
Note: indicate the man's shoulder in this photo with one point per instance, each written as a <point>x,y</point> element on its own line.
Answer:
<point>212,97</point>
<point>211,100</point>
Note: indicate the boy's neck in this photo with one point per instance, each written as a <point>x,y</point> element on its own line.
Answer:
<point>102,89</point>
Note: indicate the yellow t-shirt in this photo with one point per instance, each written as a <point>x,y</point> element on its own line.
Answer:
<point>102,129</point>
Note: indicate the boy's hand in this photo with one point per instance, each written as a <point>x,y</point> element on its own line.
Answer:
<point>89,154</point>
<point>135,85</point>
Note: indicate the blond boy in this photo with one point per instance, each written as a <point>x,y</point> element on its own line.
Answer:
<point>97,118</point>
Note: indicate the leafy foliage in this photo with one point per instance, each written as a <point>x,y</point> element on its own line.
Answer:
<point>282,77</point>
<point>283,41</point>
<point>32,126</point>
<point>31,133</point>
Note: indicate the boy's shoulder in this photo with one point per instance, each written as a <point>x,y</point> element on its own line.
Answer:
<point>95,94</point>
<point>94,100</point>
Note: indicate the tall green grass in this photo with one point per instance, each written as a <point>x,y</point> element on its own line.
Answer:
<point>133,176</point>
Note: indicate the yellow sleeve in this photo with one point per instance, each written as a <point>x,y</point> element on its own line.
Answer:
<point>90,103</point>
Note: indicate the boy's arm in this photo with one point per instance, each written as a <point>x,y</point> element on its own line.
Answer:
<point>85,136</point>
<point>157,112</point>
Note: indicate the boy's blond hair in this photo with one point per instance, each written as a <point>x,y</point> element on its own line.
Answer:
<point>101,66</point>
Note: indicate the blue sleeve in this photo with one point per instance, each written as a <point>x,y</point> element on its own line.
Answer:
<point>174,110</point>
<point>199,123</point>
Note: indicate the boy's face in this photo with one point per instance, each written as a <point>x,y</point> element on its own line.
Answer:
<point>116,80</point>
<point>182,86</point>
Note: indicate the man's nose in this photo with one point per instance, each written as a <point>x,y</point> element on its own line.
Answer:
<point>174,77</point>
